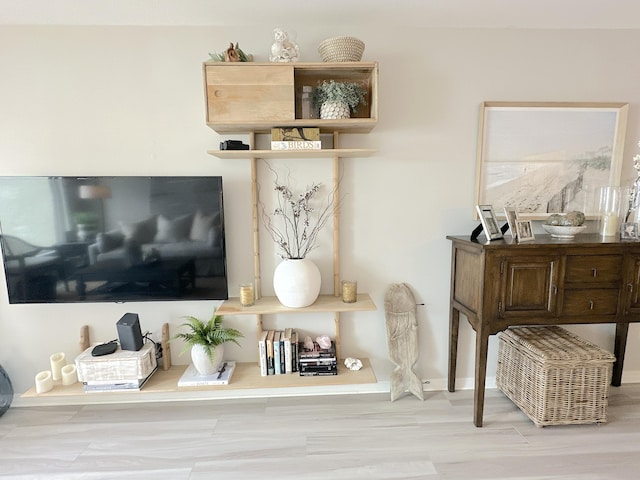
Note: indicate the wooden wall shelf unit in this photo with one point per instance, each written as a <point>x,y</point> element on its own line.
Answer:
<point>252,98</point>
<point>542,282</point>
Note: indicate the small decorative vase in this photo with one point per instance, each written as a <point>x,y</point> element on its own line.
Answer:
<point>6,391</point>
<point>202,362</point>
<point>297,282</point>
<point>334,110</point>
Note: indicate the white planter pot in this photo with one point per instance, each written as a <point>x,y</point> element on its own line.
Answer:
<point>202,362</point>
<point>334,110</point>
<point>297,282</point>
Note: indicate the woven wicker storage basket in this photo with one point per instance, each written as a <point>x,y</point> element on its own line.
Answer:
<point>121,365</point>
<point>554,376</point>
<point>341,49</point>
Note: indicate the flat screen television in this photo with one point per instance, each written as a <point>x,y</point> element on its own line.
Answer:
<point>112,239</point>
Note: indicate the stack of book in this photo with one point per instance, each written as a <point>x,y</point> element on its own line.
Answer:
<point>132,385</point>
<point>318,361</point>
<point>295,138</point>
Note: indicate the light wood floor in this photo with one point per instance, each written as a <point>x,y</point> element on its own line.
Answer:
<point>328,437</point>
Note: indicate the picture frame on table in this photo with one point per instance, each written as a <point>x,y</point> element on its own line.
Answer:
<point>525,230</point>
<point>489,222</point>
<point>629,231</point>
<point>548,157</point>
<point>511,214</point>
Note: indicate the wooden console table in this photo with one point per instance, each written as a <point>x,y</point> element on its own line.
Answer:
<point>543,282</point>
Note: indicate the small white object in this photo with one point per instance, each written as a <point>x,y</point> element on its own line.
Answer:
<point>324,341</point>
<point>283,49</point>
<point>353,363</point>
<point>57,361</point>
<point>69,374</point>
<point>44,381</point>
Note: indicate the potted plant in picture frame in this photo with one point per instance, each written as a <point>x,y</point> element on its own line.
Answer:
<point>206,341</point>
<point>337,99</point>
<point>294,225</point>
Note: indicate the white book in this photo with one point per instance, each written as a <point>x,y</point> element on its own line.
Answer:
<point>192,378</point>
<point>262,352</point>
<point>276,353</point>
<point>287,350</point>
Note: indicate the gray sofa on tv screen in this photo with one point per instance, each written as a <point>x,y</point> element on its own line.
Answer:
<point>194,235</point>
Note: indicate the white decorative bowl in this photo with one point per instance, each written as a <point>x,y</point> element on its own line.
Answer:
<point>563,231</point>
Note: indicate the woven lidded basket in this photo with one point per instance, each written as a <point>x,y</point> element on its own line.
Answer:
<point>554,376</point>
<point>341,49</point>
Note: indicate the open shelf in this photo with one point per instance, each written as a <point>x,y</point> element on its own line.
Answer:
<point>245,376</point>
<point>320,153</point>
<point>271,305</point>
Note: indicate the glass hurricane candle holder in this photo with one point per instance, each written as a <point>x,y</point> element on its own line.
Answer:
<point>349,291</point>
<point>246,295</point>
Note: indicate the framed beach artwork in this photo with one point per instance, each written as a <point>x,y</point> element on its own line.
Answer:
<point>544,158</point>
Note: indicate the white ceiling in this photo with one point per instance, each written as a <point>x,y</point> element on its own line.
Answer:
<point>608,14</point>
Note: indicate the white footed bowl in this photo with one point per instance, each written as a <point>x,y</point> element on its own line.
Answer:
<point>563,231</point>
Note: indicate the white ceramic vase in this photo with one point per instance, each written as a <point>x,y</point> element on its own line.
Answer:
<point>297,282</point>
<point>334,110</point>
<point>202,362</point>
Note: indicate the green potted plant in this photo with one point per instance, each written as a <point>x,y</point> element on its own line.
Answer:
<point>206,341</point>
<point>336,99</point>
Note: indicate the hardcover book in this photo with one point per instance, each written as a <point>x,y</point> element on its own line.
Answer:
<point>295,138</point>
<point>94,386</point>
<point>262,353</point>
<point>270,363</point>
<point>192,378</point>
<point>288,364</point>
<point>276,353</point>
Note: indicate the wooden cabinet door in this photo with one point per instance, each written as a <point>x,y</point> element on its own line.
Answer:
<point>247,94</point>
<point>529,286</point>
<point>632,285</point>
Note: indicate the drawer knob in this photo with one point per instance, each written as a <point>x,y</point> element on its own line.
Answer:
<point>595,272</point>
<point>590,304</point>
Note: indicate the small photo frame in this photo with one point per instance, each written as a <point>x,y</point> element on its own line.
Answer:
<point>525,230</point>
<point>489,222</point>
<point>512,217</point>
<point>629,231</point>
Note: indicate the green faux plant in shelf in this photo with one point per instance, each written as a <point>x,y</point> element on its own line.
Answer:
<point>351,93</point>
<point>209,334</point>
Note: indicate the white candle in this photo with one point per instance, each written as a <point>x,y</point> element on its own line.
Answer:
<point>246,294</point>
<point>57,361</point>
<point>69,374</point>
<point>44,382</point>
<point>609,224</point>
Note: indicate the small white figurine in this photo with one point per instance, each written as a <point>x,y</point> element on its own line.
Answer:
<point>283,49</point>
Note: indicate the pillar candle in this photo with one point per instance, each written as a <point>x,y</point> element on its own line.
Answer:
<point>57,361</point>
<point>609,224</point>
<point>44,381</point>
<point>69,374</point>
<point>349,291</point>
<point>246,294</point>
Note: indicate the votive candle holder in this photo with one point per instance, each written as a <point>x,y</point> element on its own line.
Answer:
<point>349,291</point>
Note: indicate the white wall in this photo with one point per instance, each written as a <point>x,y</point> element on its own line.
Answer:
<point>84,100</point>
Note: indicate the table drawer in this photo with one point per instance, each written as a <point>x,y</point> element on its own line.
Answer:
<point>590,301</point>
<point>593,269</point>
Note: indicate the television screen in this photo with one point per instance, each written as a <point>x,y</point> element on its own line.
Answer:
<point>112,239</point>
